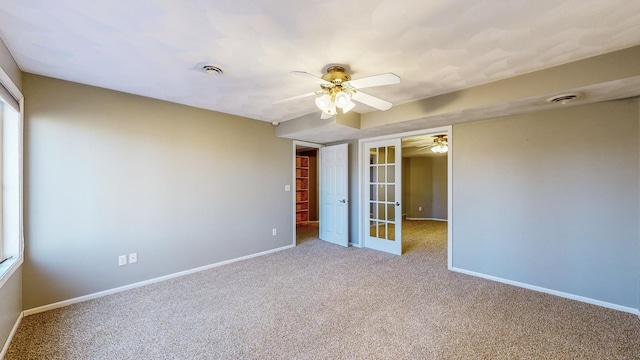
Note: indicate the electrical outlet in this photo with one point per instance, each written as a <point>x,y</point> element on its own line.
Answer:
<point>287,188</point>
<point>122,260</point>
<point>419,208</point>
<point>133,258</point>
<point>274,232</point>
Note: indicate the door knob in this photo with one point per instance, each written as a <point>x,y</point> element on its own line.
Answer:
<point>344,201</point>
<point>397,203</point>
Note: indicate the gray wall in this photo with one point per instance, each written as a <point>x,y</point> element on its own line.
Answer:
<point>10,305</point>
<point>8,64</point>
<point>406,174</point>
<point>11,291</point>
<point>424,181</point>
<point>108,173</point>
<point>419,189</point>
<point>548,203</point>
<point>439,177</point>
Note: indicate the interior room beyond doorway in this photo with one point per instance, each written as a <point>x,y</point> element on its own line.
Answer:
<point>424,182</point>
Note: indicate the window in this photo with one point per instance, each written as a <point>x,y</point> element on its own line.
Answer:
<point>11,242</point>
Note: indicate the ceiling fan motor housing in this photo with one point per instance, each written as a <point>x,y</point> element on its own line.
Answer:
<point>336,75</point>
<point>338,78</point>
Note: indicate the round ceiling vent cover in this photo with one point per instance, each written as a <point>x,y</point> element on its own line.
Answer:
<point>212,70</point>
<point>563,98</point>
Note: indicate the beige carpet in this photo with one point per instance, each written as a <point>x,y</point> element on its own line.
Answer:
<point>322,301</point>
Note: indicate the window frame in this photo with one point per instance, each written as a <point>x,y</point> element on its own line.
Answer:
<point>10,266</point>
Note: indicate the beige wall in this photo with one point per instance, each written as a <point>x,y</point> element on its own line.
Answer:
<point>108,173</point>
<point>552,200</point>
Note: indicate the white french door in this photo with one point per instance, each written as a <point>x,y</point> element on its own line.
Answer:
<point>334,194</point>
<point>383,195</point>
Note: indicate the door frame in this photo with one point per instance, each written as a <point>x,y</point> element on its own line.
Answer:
<point>363,160</point>
<point>297,143</point>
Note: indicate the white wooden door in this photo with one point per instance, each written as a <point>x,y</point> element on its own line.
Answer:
<point>334,194</point>
<point>383,194</point>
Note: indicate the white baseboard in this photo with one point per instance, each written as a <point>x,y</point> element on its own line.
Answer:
<point>549,291</point>
<point>146,282</point>
<point>5,348</point>
<point>434,219</point>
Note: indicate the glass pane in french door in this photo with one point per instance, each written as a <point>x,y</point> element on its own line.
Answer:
<point>382,201</point>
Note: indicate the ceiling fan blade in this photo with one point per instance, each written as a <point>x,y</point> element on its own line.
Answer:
<point>372,101</point>
<point>425,147</point>
<point>312,78</point>
<point>294,97</point>
<point>375,80</point>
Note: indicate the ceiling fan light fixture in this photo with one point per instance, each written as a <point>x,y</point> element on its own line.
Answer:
<point>441,145</point>
<point>332,109</point>
<point>342,99</point>
<point>324,102</point>
<point>440,149</point>
<point>337,90</point>
<point>349,107</point>
<point>329,113</point>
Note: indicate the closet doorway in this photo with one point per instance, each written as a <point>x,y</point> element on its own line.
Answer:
<point>306,191</point>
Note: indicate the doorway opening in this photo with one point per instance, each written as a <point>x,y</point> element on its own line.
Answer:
<point>305,191</point>
<point>331,191</point>
<point>425,192</point>
<point>372,203</point>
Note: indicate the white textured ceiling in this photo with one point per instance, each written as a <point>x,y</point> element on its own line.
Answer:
<point>156,47</point>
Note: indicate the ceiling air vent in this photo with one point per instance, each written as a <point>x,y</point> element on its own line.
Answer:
<point>563,98</point>
<point>212,70</point>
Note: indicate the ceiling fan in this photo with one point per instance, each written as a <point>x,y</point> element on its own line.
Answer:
<point>440,145</point>
<point>337,90</point>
